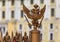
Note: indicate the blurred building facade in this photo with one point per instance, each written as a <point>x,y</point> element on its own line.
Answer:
<point>12,18</point>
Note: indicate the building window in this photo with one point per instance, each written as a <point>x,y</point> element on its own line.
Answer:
<point>4,29</point>
<point>20,27</point>
<point>12,2</point>
<point>42,1</point>
<point>12,14</point>
<point>52,1</point>
<point>52,11</point>
<point>51,36</point>
<point>3,2</point>
<point>51,26</point>
<point>31,1</point>
<point>40,26</point>
<point>0,29</point>
<point>3,14</point>
<point>41,36</point>
<point>22,1</point>
<point>21,13</point>
<point>30,27</point>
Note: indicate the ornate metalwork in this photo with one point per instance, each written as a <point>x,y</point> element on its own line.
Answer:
<point>35,14</point>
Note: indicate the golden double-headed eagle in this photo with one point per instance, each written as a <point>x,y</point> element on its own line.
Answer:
<point>35,14</point>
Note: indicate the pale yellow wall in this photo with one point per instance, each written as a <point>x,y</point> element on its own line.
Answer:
<point>10,28</point>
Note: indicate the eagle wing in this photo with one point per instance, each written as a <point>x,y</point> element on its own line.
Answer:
<point>27,12</point>
<point>34,16</point>
<point>41,12</point>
